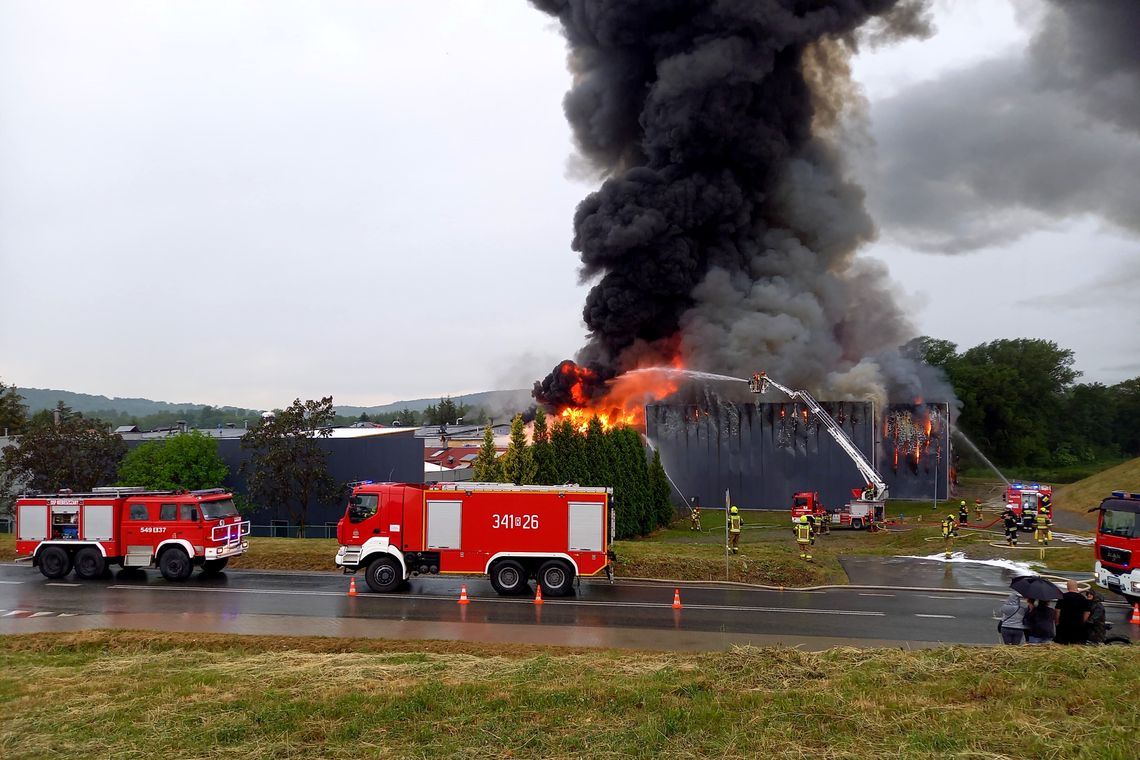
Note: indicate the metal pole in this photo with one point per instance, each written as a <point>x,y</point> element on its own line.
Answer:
<point>727,506</point>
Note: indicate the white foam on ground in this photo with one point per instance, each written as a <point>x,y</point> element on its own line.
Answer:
<point>1023,568</point>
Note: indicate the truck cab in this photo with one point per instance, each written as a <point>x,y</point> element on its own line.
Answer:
<point>1118,545</point>
<point>808,503</point>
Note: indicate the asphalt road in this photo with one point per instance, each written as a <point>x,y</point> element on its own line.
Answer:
<point>627,614</point>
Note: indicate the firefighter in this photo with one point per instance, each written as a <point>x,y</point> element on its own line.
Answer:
<point>978,510</point>
<point>1042,526</point>
<point>950,527</point>
<point>734,523</point>
<point>963,513</point>
<point>823,524</point>
<point>868,492</point>
<point>694,515</point>
<point>1009,519</point>
<point>804,537</point>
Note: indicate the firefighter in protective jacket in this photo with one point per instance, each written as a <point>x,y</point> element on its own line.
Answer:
<point>963,513</point>
<point>734,525</point>
<point>804,537</point>
<point>1009,520</point>
<point>694,515</point>
<point>949,527</point>
<point>1042,526</point>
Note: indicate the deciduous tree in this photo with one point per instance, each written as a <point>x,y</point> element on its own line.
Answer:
<point>287,467</point>
<point>78,453</point>
<point>187,460</point>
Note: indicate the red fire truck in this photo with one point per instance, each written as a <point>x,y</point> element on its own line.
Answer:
<point>131,527</point>
<point>1026,498</point>
<point>808,503</point>
<point>510,533</point>
<point>1118,545</point>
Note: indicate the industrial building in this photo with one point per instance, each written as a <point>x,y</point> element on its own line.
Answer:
<point>763,453</point>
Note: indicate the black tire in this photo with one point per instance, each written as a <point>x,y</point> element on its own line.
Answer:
<point>1117,641</point>
<point>89,563</point>
<point>509,578</point>
<point>55,562</point>
<point>175,565</point>
<point>857,523</point>
<point>556,578</point>
<point>214,566</point>
<point>383,575</point>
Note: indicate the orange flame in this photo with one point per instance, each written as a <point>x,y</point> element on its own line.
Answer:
<point>623,403</point>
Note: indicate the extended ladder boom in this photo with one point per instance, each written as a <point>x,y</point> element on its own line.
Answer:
<point>759,384</point>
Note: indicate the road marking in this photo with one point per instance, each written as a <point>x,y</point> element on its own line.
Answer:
<point>40,614</point>
<point>14,613</point>
<point>890,595</point>
<point>948,598</point>
<point>68,585</point>
<point>12,583</point>
<point>493,600</point>
<point>948,617</point>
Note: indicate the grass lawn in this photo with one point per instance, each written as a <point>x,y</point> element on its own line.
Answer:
<point>138,695</point>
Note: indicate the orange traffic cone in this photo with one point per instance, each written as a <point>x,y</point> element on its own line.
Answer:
<point>352,586</point>
<point>463,595</point>
<point>1135,614</point>
<point>538,593</point>
<point>676,598</point>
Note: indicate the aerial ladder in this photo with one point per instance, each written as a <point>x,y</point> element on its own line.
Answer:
<point>867,507</point>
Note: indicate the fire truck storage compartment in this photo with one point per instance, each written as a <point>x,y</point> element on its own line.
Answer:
<point>444,524</point>
<point>587,526</point>
<point>99,522</point>
<point>33,522</point>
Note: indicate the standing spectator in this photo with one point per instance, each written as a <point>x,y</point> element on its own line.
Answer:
<point>1096,629</point>
<point>1012,625</point>
<point>1072,614</point>
<point>1040,626</point>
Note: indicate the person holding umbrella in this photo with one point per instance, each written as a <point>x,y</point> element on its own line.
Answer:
<point>1040,618</point>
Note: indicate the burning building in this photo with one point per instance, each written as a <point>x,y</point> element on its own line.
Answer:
<point>763,453</point>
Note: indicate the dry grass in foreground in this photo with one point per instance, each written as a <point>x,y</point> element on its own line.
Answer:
<point>136,695</point>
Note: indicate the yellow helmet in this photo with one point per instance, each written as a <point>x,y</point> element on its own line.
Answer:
<point>734,510</point>
<point>803,518</point>
<point>962,503</point>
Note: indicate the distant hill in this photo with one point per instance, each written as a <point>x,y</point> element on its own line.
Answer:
<point>495,402</point>
<point>47,398</point>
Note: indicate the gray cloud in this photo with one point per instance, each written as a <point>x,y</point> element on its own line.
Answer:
<point>984,155</point>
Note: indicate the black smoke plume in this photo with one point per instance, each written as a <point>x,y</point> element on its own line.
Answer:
<point>726,227</point>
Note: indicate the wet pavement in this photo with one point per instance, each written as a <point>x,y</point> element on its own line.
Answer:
<point>957,607</point>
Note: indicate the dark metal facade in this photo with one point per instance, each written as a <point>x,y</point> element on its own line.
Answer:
<point>764,453</point>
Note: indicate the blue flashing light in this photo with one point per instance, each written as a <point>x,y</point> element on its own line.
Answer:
<point>1036,485</point>
<point>1119,494</point>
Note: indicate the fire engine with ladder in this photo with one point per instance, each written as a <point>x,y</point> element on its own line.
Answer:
<point>868,505</point>
<point>553,534</point>
<point>1025,499</point>
<point>130,527</point>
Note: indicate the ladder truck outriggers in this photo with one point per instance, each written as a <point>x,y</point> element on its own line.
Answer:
<point>867,506</point>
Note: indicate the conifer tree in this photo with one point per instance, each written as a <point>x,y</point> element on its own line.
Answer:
<point>488,468</point>
<point>566,444</point>
<point>542,451</point>
<point>662,490</point>
<point>518,461</point>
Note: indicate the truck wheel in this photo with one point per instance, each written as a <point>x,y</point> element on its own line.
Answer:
<point>89,563</point>
<point>857,523</point>
<point>175,565</point>
<point>55,562</point>
<point>383,575</point>
<point>556,578</point>
<point>508,577</point>
<point>214,566</point>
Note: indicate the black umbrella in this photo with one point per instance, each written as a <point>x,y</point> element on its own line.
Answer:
<point>1035,587</point>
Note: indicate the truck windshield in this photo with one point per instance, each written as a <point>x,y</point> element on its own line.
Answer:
<point>800,501</point>
<point>215,510</point>
<point>1121,520</point>
<point>362,506</point>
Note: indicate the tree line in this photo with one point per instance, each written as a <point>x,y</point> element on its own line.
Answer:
<point>1022,406</point>
<point>559,454</point>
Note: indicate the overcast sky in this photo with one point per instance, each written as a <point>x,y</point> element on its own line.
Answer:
<point>247,202</point>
